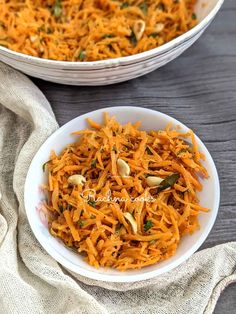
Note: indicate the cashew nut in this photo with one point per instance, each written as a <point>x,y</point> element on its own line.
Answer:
<point>159,27</point>
<point>132,221</point>
<point>153,181</point>
<point>123,168</point>
<point>76,179</point>
<point>138,29</point>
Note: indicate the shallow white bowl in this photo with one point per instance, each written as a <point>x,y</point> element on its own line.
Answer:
<point>151,120</point>
<point>113,70</point>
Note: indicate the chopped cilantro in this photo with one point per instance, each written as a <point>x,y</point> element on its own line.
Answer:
<point>94,163</point>
<point>133,38</point>
<point>57,9</point>
<point>82,55</point>
<point>124,5</point>
<point>144,7</point>
<point>168,182</point>
<point>148,225</point>
<point>45,165</point>
<point>92,203</point>
<point>148,150</point>
<point>81,223</point>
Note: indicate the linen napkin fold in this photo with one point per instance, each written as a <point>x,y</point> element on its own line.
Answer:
<point>33,282</point>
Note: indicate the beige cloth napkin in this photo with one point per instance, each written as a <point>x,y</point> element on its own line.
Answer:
<point>32,282</point>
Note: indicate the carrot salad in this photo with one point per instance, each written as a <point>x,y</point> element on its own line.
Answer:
<point>90,30</point>
<point>123,197</point>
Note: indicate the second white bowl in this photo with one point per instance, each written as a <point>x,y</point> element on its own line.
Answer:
<point>113,70</point>
<point>151,120</point>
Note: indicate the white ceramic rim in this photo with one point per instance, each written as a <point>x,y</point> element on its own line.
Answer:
<point>116,278</point>
<point>121,60</point>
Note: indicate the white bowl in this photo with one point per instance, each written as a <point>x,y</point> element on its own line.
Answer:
<point>113,70</point>
<point>209,197</point>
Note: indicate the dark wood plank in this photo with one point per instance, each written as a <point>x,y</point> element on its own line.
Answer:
<point>199,88</point>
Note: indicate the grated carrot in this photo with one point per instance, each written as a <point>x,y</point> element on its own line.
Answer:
<point>76,30</point>
<point>92,218</point>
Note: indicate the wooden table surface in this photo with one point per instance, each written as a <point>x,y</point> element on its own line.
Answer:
<point>199,89</point>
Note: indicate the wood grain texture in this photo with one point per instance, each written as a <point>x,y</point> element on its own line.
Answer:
<point>199,89</point>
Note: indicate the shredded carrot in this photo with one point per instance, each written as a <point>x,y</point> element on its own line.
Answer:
<point>90,30</point>
<point>121,221</point>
